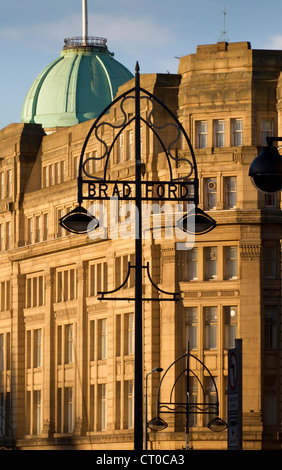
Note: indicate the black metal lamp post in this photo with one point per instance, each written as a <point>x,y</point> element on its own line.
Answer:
<point>266,169</point>
<point>91,187</point>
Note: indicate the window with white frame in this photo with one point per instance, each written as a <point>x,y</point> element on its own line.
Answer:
<point>191,327</point>
<point>230,314</point>
<point>201,134</point>
<point>236,132</point>
<point>219,133</point>
<point>210,193</point>
<point>266,130</point>
<point>230,254</point>
<point>230,192</point>
<point>210,318</point>
<point>210,260</point>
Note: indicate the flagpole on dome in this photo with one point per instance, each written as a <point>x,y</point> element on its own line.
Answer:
<point>84,22</point>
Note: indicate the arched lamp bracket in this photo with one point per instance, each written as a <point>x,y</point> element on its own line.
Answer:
<point>161,291</point>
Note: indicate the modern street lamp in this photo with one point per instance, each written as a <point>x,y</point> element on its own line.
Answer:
<point>181,189</point>
<point>266,169</point>
<point>154,370</point>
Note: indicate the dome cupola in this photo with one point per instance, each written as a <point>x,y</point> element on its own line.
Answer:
<point>77,86</point>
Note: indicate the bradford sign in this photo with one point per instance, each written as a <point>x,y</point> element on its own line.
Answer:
<point>125,190</point>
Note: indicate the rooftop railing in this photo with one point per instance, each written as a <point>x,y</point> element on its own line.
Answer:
<point>88,41</point>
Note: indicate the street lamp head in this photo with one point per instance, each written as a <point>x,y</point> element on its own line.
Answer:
<point>266,170</point>
<point>197,222</point>
<point>157,369</point>
<point>217,424</point>
<point>157,424</point>
<point>79,221</point>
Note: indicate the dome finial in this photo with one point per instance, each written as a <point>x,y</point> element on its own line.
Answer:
<point>84,21</point>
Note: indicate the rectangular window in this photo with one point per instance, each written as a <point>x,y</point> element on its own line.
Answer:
<point>210,259</point>
<point>210,316</point>
<point>130,404</point>
<point>129,150</point>
<point>69,409</point>
<point>37,229</point>
<point>102,327</point>
<point>210,193</point>
<point>9,183</point>
<point>69,344</point>
<point>191,265</point>
<point>230,192</point>
<point>2,186</point>
<point>120,148</point>
<point>38,348</point>
<point>201,134</point>
<point>97,278</point>
<point>237,132</point>
<point>129,325</point>
<point>29,230</point>
<point>267,130</point>
<point>121,270</point>
<point>230,262</point>
<point>270,326</point>
<point>65,285</point>
<point>210,397</point>
<point>5,293</point>
<point>103,406</point>
<point>270,262</point>
<point>38,411</point>
<point>230,326</point>
<point>34,291</point>
<point>270,401</point>
<point>191,327</point>
<point>8,235</point>
<point>219,133</point>
<point>2,241</point>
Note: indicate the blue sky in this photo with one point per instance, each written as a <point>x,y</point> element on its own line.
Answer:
<point>154,32</point>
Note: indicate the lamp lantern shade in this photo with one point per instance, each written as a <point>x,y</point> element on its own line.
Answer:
<point>79,221</point>
<point>157,424</point>
<point>266,170</point>
<point>197,222</point>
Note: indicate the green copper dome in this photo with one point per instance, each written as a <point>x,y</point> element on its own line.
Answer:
<point>75,87</point>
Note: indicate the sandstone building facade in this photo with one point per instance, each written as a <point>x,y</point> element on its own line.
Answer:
<point>67,358</point>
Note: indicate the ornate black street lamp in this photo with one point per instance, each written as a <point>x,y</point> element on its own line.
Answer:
<point>181,189</point>
<point>266,169</point>
<point>187,407</point>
